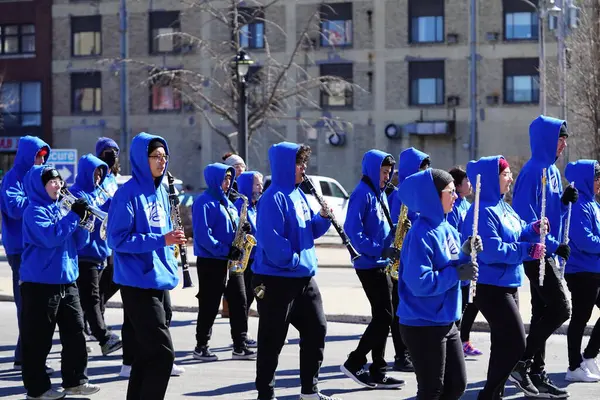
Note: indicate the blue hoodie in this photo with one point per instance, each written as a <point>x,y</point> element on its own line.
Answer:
<point>408,163</point>
<point>13,199</point>
<point>51,241</point>
<point>366,224</point>
<point>245,183</point>
<point>97,249</point>
<point>286,225</point>
<point>506,238</point>
<point>584,230</point>
<point>138,219</point>
<point>527,197</point>
<point>429,288</point>
<point>456,217</point>
<point>213,229</point>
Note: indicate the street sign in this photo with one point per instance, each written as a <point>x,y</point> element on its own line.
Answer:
<point>65,162</point>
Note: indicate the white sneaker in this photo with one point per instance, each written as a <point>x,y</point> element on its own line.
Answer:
<point>592,365</point>
<point>177,370</point>
<point>581,374</point>
<point>125,371</point>
<point>317,396</point>
<point>50,394</point>
<point>86,389</point>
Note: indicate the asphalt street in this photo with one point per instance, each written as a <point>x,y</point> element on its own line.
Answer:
<point>228,379</point>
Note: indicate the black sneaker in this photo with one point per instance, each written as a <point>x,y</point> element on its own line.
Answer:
<point>546,388</point>
<point>243,353</point>
<point>360,376</point>
<point>203,353</point>
<point>387,382</point>
<point>520,377</point>
<point>403,364</point>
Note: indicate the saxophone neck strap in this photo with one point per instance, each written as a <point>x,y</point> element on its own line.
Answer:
<point>368,182</point>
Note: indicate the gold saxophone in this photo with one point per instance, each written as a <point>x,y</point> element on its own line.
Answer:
<point>243,241</point>
<point>392,268</point>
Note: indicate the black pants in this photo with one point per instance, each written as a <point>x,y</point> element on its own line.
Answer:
<point>286,301</point>
<point>108,288</point>
<point>437,356</point>
<point>500,308</point>
<point>399,346</point>
<point>470,311</point>
<point>212,274</point>
<point>153,353</point>
<point>248,284</point>
<point>585,294</point>
<point>89,292</point>
<point>44,306</point>
<point>549,310</point>
<point>378,288</point>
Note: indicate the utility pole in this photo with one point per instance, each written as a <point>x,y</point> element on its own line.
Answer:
<point>473,81</point>
<point>124,89</point>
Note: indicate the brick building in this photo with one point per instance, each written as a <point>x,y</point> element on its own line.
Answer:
<point>25,73</point>
<point>411,57</point>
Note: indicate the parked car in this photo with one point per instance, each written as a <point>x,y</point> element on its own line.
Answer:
<point>332,192</point>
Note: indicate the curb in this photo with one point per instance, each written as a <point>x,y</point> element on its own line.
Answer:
<point>478,326</point>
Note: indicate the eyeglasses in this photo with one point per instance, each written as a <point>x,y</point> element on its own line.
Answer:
<point>452,192</point>
<point>160,158</point>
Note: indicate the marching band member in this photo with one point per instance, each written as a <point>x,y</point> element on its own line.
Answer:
<point>91,172</point>
<point>549,303</point>
<point>215,222</point>
<point>140,232</point>
<point>250,184</point>
<point>582,271</point>
<point>430,276</point>
<point>48,289</point>
<point>455,219</point>
<point>370,230</point>
<point>284,267</point>
<point>13,201</point>
<point>507,241</point>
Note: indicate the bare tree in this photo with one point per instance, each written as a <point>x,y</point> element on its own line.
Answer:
<point>278,88</point>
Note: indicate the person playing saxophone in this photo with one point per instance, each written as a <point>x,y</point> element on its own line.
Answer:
<point>216,224</point>
<point>370,229</point>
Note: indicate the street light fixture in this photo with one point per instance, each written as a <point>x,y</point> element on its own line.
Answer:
<point>241,65</point>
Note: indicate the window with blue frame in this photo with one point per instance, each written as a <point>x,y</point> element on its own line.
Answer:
<point>426,83</point>
<point>336,24</point>
<point>21,104</point>
<point>426,21</point>
<point>251,30</point>
<point>521,81</point>
<point>520,20</point>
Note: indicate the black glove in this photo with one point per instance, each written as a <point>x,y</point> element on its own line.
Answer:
<point>246,228</point>
<point>80,207</point>
<point>468,271</point>
<point>466,247</point>
<point>391,252</point>
<point>570,195</point>
<point>563,250</point>
<point>234,253</point>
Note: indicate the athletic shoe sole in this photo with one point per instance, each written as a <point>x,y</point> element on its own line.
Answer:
<point>350,375</point>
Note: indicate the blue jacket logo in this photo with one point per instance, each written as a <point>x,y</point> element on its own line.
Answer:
<point>156,215</point>
<point>451,248</point>
<point>554,183</point>
<point>302,210</point>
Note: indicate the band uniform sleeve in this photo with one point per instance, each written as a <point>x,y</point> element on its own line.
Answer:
<point>582,232</point>
<point>203,231</point>
<point>43,231</point>
<point>495,250</point>
<point>358,210</point>
<point>320,225</point>
<point>15,200</point>
<point>82,238</point>
<point>271,231</point>
<point>120,231</point>
<point>528,234</point>
<point>395,206</point>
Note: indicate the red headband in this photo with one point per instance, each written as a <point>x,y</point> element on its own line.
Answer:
<point>502,164</point>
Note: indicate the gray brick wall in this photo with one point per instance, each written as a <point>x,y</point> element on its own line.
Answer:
<point>61,94</point>
<point>363,31</point>
<point>490,20</point>
<point>275,28</point>
<point>457,20</point>
<point>111,95</point>
<point>139,92</point>
<point>111,36</point>
<point>396,94</point>
<point>489,79</point>
<point>396,23</point>
<point>457,80</point>
<point>138,35</point>
<point>61,38</point>
<point>363,99</point>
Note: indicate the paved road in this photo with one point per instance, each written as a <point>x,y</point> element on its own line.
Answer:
<point>228,379</point>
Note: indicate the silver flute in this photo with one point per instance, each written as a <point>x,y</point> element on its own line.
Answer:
<point>543,230</point>
<point>473,283</point>
<point>563,262</point>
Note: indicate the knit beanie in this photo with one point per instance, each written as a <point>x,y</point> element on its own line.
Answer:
<point>563,131</point>
<point>49,174</point>
<point>104,143</point>
<point>502,165</point>
<point>441,179</point>
<point>155,144</point>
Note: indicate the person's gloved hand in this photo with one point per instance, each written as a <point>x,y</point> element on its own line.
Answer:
<point>536,250</point>
<point>391,252</point>
<point>80,207</point>
<point>570,195</point>
<point>563,250</point>
<point>468,271</point>
<point>537,225</point>
<point>234,253</point>
<point>246,228</point>
<point>466,247</point>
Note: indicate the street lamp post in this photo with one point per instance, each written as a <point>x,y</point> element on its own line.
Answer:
<point>543,11</point>
<point>241,63</point>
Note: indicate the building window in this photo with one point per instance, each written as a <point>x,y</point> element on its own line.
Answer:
<point>251,28</point>
<point>426,83</point>
<point>336,24</point>
<point>86,36</point>
<point>337,93</point>
<point>426,21</point>
<point>163,27</point>
<point>86,92</point>
<point>21,104</point>
<point>521,81</point>
<point>164,92</point>
<point>17,39</point>
<point>520,20</point>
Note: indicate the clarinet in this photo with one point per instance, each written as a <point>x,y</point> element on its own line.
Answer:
<point>473,283</point>
<point>563,262</point>
<point>345,240</point>
<point>543,232</point>
<point>187,278</point>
